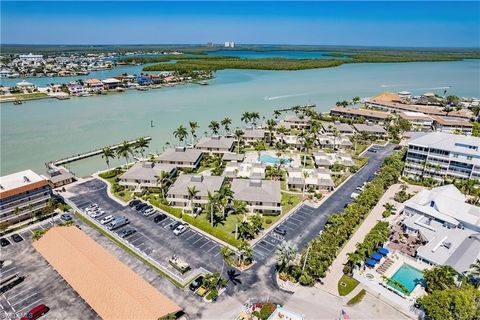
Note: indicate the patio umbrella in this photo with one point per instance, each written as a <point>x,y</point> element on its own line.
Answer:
<point>383,251</point>
<point>371,262</point>
<point>377,256</point>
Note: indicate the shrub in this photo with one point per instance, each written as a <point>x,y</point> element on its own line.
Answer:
<point>268,221</point>
<point>386,213</point>
<point>306,280</point>
<point>212,294</point>
<point>266,311</point>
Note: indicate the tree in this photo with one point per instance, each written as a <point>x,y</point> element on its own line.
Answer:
<point>226,122</point>
<point>440,278</point>
<point>238,135</point>
<point>254,117</point>
<point>107,154</point>
<point>277,114</point>
<point>180,133</point>
<point>214,126</point>
<point>192,193</point>
<point>474,271</point>
<point>452,304</point>
<point>356,100</point>
<point>212,281</point>
<point>163,181</point>
<point>404,125</point>
<point>285,254</point>
<point>213,204</point>
<point>193,129</point>
<point>245,252</point>
<point>246,231</point>
<point>246,117</point>
<point>271,127</point>
<point>142,144</point>
<point>125,151</point>
<point>240,207</point>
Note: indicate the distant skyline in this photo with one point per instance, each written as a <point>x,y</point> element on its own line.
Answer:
<point>396,24</point>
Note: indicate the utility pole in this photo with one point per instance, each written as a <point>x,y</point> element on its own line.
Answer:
<point>306,258</point>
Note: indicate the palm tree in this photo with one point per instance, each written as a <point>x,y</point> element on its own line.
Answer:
<point>277,114</point>
<point>475,269</point>
<point>226,253</point>
<point>226,122</point>
<point>305,176</point>
<point>180,133</point>
<point>238,135</point>
<point>245,251</point>
<point>240,207</point>
<point>142,144</point>
<point>285,254</point>
<point>271,127</point>
<point>192,193</point>
<point>336,134</point>
<point>255,116</point>
<point>307,144</point>
<point>214,126</point>
<point>163,181</point>
<point>246,117</point>
<point>212,203</point>
<point>355,100</point>
<point>193,129</point>
<point>124,151</point>
<point>107,154</point>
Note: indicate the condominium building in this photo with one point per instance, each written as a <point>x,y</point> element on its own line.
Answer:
<point>22,194</point>
<point>374,116</point>
<point>260,195</point>
<point>178,194</point>
<point>439,155</point>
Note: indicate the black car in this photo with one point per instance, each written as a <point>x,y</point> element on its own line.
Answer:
<point>15,237</point>
<point>280,231</point>
<point>399,147</point>
<point>66,217</point>
<point>197,283</point>
<point>140,206</point>
<point>159,218</point>
<point>127,232</point>
<point>4,242</point>
<point>174,226</point>
<point>134,203</point>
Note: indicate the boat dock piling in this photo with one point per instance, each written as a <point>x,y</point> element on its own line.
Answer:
<point>89,154</point>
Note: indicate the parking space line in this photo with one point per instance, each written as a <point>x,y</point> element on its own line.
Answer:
<point>29,305</point>
<point>194,233</point>
<point>273,244</point>
<point>198,239</point>
<point>214,246</point>
<point>263,247</point>
<point>292,218</point>
<point>284,224</point>
<point>208,241</point>
<point>5,271</point>
<point>18,302</point>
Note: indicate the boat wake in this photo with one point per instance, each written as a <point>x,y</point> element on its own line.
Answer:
<point>288,96</point>
<point>410,88</point>
<point>391,85</point>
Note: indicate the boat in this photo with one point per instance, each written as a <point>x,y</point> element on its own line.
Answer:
<point>17,102</point>
<point>141,88</point>
<point>62,97</point>
<point>203,83</point>
<point>179,264</point>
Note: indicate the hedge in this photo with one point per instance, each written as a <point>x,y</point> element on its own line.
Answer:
<point>205,226</point>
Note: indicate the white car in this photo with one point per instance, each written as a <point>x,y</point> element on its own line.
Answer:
<point>97,214</point>
<point>90,211</point>
<point>107,219</point>
<point>149,212</point>
<point>93,206</point>
<point>180,229</point>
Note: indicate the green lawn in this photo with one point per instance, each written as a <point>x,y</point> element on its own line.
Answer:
<point>124,195</point>
<point>357,298</point>
<point>346,284</point>
<point>224,230</point>
<point>289,201</point>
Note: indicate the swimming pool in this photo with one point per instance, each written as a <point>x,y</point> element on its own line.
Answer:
<point>269,159</point>
<point>408,276</point>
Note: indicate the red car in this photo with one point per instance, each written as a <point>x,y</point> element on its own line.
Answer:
<point>36,312</point>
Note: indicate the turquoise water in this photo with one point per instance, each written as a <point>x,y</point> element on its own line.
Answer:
<point>44,130</point>
<point>408,276</point>
<point>273,160</point>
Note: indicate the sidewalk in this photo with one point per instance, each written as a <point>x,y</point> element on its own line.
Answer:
<point>335,271</point>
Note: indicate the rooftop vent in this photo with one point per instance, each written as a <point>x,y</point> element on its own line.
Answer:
<point>148,165</point>
<point>255,183</point>
<point>215,137</point>
<point>197,178</point>
<point>180,149</point>
<point>447,244</point>
<point>1,187</point>
<point>25,179</point>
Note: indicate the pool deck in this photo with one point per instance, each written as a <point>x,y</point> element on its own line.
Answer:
<point>253,157</point>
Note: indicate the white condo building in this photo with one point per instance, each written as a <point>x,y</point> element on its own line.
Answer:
<point>439,155</point>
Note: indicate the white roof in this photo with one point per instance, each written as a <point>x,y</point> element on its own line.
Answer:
<point>24,83</point>
<point>19,179</point>
<point>449,142</point>
<point>446,203</point>
<point>111,80</point>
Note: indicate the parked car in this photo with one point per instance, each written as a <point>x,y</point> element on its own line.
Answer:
<point>134,203</point>
<point>146,208</point>
<point>202,291</point>
<point>149,212</point>
<point>354,195</point>
<point>117,223</point>
<point>97,214</point>
<point>196,283</point>
<point>197,211</point>
<point>174,225</point>
<point>399,147</point>
<point>93,206</point>
<point>180,229</point>
<point>4,242</point>
<point>280,231</point>
<point>107,219</point>
<point>360,188</point>
<point>66,217</point>
<point>373,150</point>
<point>16,237</point>
<point>159,218</point>
<point>127,232</point>
<point>36,312</point>
<point>140,206</point>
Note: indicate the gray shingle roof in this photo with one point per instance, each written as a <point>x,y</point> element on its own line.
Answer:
<point>215,142</point>
<point>204,184</point>
<point>146,171</point>
<point>256,190</point>
<point>180,155</point>
<point>361,127</point>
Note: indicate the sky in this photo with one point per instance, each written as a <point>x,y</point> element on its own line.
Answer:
<point>397,24</point>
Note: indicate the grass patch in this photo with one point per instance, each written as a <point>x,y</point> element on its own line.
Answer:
<point>124,195</point>
<point>289,201</point>
<point>224,230</point>
<point>346,285</point>
<point>120,244</point>
<point>24,96</point>
<point>357,298</point>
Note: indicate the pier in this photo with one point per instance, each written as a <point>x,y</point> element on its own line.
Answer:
<point>89,154</point>
<point>299,108</point>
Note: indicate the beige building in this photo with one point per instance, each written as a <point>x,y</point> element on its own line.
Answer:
<point>181,157</point>
<point>263,196</point>
<point>177,195</point>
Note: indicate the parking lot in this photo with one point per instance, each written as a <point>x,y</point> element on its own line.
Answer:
<point>153,239</point>
<point>42,284</point>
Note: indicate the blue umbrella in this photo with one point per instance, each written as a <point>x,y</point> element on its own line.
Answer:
<point>377,256</point>
<point>383,251</point>
<point>371,262</point>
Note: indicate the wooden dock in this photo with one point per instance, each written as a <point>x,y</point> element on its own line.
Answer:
<point>299,107</point>
<point>89,154</point>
